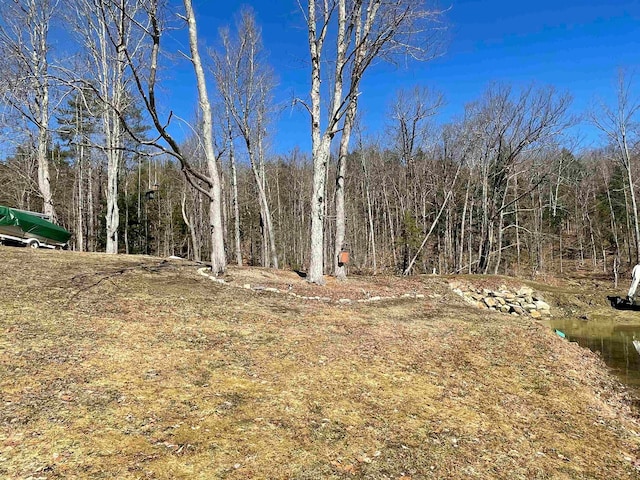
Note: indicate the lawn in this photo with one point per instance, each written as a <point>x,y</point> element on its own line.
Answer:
<point>137,367</point>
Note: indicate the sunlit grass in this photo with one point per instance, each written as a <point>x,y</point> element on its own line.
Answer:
<point>160,373</point>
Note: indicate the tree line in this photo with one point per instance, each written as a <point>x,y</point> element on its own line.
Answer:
<point>499,190</point>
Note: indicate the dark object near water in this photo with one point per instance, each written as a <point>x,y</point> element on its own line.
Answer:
<point>623,304</point>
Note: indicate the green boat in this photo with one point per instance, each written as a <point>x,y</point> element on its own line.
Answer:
<point>31,228</point>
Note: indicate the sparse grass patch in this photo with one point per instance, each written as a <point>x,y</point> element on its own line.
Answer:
<point>157,372</point>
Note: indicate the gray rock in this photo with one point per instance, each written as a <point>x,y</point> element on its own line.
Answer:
<point>541,305</point>
<point>523,291</point>
<point>489,302</point>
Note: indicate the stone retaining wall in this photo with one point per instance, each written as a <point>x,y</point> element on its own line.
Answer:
<point>523,301</point>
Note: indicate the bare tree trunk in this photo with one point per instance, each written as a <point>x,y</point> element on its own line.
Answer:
<point>372,238</point>
<point>390,221</point>
<point>270,234</point>
<point>80,211</point>
<point>339,268</point>
<point>44,178</point>
<point>236,205</point>
<point>362,33</point>
<point>91,214</point>
<point>470,246</point>
<point>458,266</point>
<point>126,214</point>
<point>189,222</point>
<point>517,228</point>
<point>245,83</point>
<point>499,246</point>
<point>407,271</point>
<point>218,259</point>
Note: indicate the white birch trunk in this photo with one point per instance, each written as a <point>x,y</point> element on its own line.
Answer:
<point>218,258</point>
<point>321,142</point>
<point>340,269</point>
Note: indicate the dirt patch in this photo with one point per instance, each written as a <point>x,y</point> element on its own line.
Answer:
<point>353,288</point>
<point>134,367</point>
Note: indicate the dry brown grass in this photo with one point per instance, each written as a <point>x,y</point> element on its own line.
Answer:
<point>129,368</point>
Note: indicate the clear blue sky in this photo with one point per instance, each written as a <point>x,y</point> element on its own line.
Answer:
<point>575,45</point>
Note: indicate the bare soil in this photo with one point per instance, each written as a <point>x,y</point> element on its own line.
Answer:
<point>140,368</point>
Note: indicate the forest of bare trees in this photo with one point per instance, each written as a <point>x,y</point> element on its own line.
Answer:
<point>503,189</point>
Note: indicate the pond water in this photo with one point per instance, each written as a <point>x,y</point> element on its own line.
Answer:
<point>613,340</point>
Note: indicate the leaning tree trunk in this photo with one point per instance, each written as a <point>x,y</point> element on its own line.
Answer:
<point>269,238</point>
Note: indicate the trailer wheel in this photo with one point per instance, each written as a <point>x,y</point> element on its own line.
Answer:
<point>34,244</point>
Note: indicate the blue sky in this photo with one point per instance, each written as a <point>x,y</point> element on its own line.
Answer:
<point>577,46</point>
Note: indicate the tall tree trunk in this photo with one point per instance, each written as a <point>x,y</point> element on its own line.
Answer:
<point>236,205</point>
<point>80,210</point>
<point>112,86</point>
<point>44,178</point>
<point>367,187</point>
<point>270,233</point>
<point>459,261</point>
<point>339,268</point>
<point>91,213</point>
<point>218,259</point>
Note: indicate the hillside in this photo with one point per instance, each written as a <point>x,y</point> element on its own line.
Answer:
<point>138,367</point>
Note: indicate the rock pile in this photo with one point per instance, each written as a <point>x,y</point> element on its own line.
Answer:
<point>523,301</point>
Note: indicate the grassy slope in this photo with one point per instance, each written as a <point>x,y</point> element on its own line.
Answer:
<point>160,373</point>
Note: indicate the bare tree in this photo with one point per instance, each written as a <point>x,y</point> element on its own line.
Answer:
<point>619,125</point>
<point>245,82</point>
<point>103,28</point>
<point>507,128</point>
<point>363,31</point>
<point>230,136</point>
<point>24,42</point>
<point>410,114</point>
<point>145,77</point>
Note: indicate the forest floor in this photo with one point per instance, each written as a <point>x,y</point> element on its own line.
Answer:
<point>134,367</point>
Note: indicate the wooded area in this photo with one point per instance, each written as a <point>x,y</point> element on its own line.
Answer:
<point>501,190</point>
